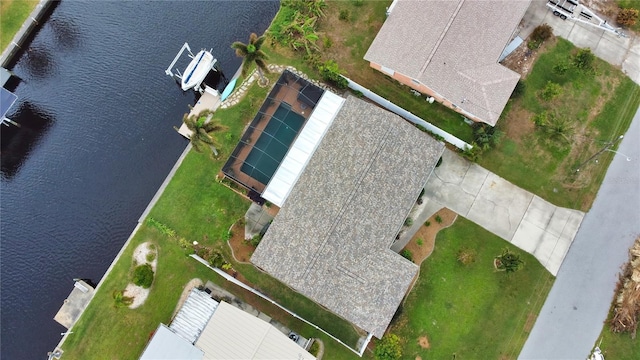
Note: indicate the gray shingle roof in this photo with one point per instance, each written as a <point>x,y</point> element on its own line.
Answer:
<point>453,46</point>
<point>330,241</point>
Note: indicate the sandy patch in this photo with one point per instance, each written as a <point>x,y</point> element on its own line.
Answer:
<point>142,251</point>
<point>193,283</point>
<point>141,255</point>
<point>423,341</point>
<point>138,293</point>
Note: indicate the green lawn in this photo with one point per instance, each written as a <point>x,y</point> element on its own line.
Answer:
<point>599,107</point>
<point>472,311</point>
<point>13,13</point>
<point>618,346</point>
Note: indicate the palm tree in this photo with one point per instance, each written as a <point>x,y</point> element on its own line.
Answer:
<point>252,55</point>
<point>203,127</point>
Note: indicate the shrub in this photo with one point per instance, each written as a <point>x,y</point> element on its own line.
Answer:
<point>151,256</point>
<point>183,243</point>
<point>255,240</point>
<point>143,276</point>
<point>486,136</point>
<point>466,256</point>
<point>541,119</point>
<point>427,223</point>
<point>358,2</point>
<point>438,219</point>
<point>327,42</point>
<point>330,72</point>
<point>419,241</point>
<point>388,348</point>
<point>518,91</point>
<point>627,17</point>
<point>408,221</point>
<point>315,348</point>
<point>509,261</point>
<point>217,260</point>
<point>344,15</point>
<point>583,60</point>
<point>121,300</point>
<point>561,67</point>
<point>550,91</point>
<point>473,152</point>
<point>542,33</point>
<point>407,254</point>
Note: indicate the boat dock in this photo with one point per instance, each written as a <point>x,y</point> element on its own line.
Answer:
<point>210,100</point>
<point>75,304</point>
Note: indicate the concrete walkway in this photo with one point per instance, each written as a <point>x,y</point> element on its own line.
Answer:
<point>619,51</point>
<point>525,220</point>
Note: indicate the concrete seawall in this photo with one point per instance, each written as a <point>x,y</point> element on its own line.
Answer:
<point>30,24</point>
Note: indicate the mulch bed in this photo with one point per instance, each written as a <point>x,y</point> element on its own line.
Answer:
<point>426,235</point>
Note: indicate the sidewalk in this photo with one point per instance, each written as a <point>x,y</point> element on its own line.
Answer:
<point>618,51</point>
<point>525,220</point>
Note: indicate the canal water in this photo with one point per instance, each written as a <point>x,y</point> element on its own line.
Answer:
<point>96,141</point>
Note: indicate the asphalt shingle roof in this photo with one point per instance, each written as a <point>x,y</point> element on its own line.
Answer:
<point>453,46</point>
<point>330,241</point>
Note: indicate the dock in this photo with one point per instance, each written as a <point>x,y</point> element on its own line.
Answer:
<point>210,100</point>
<point>74,304</point>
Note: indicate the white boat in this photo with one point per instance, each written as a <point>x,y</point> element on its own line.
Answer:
<point>197,70</point>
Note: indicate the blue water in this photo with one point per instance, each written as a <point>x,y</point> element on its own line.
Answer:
<point>97,140</point>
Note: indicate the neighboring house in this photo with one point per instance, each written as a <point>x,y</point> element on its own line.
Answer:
<point>449,49</point>
<point>207,329</point>
<point>344,197</point>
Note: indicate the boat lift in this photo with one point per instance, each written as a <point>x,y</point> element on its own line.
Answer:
<point>178,75</point>
<point>573,10</point>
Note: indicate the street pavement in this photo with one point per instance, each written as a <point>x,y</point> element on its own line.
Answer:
<point>516,215</point>
<point>623,52</point>
<point>572,317</point>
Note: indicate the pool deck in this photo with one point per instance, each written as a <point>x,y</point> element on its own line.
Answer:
<point>210,100</point>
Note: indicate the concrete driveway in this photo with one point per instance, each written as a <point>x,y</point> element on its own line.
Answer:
<point>518,216</point>
<point>619,51</point>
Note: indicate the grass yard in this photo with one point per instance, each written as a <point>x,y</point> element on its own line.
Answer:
<point>197,207</point>
<point>618,346</point>
<point>470,311</point>
<point>598,107</point>
<point>13,13</point>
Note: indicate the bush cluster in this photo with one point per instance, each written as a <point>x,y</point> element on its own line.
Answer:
<point>143,276</point>
<point>627,17</point>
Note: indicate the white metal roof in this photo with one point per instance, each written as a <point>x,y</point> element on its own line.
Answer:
<point>165,344</point>
<point>235,334</point>
<point>304,146</point>
<point>193,315</point>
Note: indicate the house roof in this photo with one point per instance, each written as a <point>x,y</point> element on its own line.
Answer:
<point>330,241</point>
<point>235,334</point>
<point>166,344</point>
<point>204,329</point>
<point>453,48</point>
<point>194,315</point>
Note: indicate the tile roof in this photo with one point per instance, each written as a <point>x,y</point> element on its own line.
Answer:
<point>453,46</point>
<point>330,241</point>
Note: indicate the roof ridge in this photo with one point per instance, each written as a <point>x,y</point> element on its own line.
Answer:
<point>441,38</point>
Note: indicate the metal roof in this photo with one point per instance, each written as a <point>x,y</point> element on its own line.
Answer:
<point>193,316</point>
<point>7,98</point>
<point>331,239</point>
<point>302,149</point>
<point>453,47</point>
<point>165,344</point>
<point>235,334</point>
